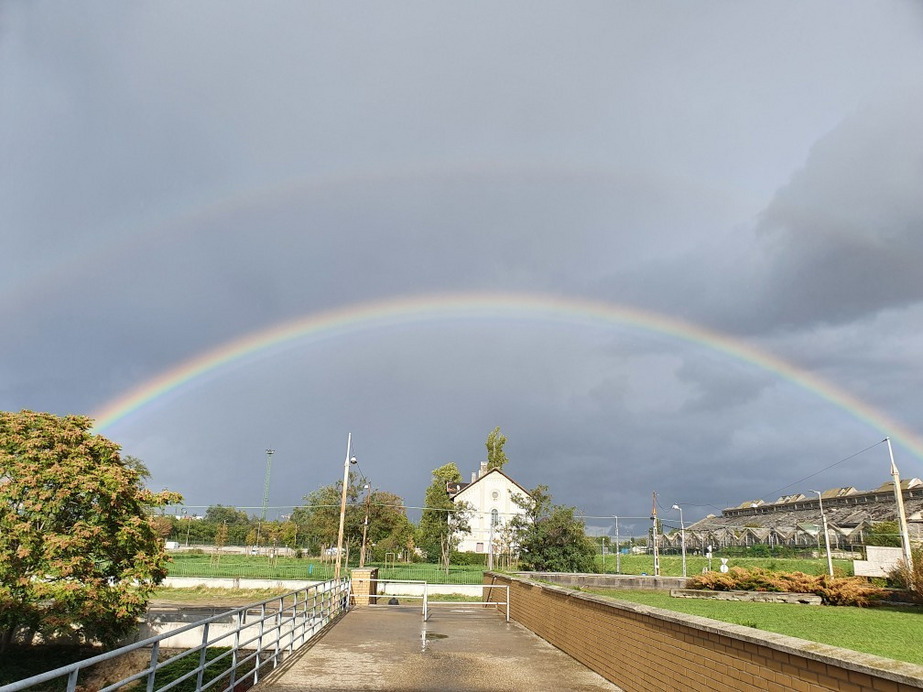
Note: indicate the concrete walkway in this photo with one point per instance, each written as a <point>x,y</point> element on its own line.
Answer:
<point>459,648</point>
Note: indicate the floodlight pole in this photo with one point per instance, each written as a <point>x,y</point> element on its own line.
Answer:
<point>901,514</point>
<point>269,453</point>
<point>346,462</point>
<point>823,519</point>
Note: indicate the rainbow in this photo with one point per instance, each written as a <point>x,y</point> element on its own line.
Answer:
<point>411,310</point>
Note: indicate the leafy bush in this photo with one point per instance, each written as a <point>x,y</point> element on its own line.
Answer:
<point>910,578</point>
<point>854,591</point>
<point>460,559</point>
<point>848,591</point>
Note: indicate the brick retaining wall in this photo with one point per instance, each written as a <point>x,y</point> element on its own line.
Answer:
<point>638,647</point>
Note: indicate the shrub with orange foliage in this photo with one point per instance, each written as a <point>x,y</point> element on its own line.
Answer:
<point>854,591</point>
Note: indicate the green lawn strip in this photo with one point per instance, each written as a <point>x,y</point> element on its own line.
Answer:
<point>200,595</point>
<point>892,632</point>
<point>672,565</point>
<point>434,574</point>
<point>261,567</point>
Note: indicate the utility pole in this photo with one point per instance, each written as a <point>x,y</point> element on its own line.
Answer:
<point>349,460</point>
<point>823,521</point>
<point>269,453</point>
<point>901,514</point>
<point>682,535</point>
<point>365,526</point>
<point>654,538</point>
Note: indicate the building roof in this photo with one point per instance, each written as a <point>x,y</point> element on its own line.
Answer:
<point>455,489</point>
<point>844,508</point>
<point>906,484</point>
<point>786,499</point>
<point>838,492</point>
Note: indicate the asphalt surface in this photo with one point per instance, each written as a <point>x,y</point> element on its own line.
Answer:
<point>459,648</point>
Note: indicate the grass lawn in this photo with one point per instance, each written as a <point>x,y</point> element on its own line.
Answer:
<point>200,595</point>
<point>672,565</point>
<point>262,567</point>
<point>892,632</point>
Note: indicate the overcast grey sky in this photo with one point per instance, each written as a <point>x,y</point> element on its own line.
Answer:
<point>175,176</point>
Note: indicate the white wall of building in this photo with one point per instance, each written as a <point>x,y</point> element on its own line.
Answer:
<point>491,492</point>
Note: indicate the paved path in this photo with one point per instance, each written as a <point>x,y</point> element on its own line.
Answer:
<point>460,648</point>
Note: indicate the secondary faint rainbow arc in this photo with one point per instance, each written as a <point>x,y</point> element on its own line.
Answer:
<point>481,306</point>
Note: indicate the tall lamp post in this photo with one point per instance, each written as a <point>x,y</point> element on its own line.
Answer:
<point>654,538</point>
<point>823,519</point>
<point>349,460</point>
<point>618,549</point>
<point>682,535</point>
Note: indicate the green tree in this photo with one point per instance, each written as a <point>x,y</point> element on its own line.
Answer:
<point>288,534</point>
<point>436,506</point>
<point>884,533</point>
<point>550,537</point>
<point>144,473</point>
<point>389,528</point>
<point>239,524</point>
<point>319,519</point>
<point>221,539</point>
<point>458,524</point>
<point>496,457</point>
<point>79,555</point>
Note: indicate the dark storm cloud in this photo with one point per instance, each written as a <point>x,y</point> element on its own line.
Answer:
<point>843,235</point>
<point>175,176</point>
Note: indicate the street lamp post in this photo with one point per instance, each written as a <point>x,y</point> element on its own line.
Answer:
<point>682,535</point>
<point>349,460</point>
<point>823,519</point>
<point>618,549</point>
<point>654,538</point>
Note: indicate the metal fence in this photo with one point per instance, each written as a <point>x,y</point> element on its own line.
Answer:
<point>261,567</point>
<point>236,647</point>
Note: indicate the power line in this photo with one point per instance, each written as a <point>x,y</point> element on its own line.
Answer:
<point>817,473</point>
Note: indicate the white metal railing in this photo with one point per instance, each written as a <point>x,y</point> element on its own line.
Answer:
<point>258,636</point>
<point>417,582</point>
<point>482,602</point>
<point>424,596</point>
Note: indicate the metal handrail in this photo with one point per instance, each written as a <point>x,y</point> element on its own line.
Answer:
<point>296,617</point>
<point>482,602</point>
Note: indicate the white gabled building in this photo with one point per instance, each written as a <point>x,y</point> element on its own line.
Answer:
<point>490,493</point>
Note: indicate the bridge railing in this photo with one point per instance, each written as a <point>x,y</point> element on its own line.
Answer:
<point>238,646</point>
